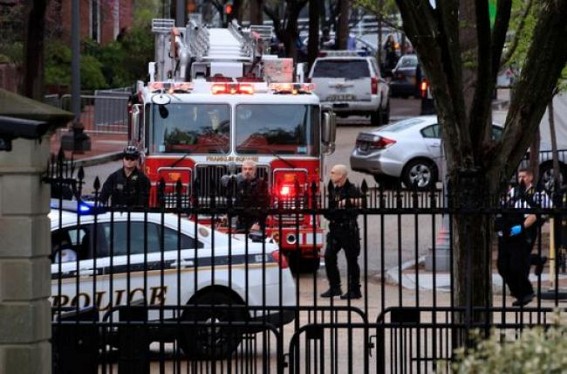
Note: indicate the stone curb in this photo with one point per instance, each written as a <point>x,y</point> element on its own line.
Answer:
<point>98,160</point>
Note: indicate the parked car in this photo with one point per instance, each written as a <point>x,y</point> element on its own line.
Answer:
<point>406,77</point>
<point>168,261</point>
<point>409,150</point>
<point>351,85</point>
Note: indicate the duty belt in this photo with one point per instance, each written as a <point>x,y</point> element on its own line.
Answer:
<point>344,225</point>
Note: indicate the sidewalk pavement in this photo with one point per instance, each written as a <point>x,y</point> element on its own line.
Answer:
<point>406,276</point>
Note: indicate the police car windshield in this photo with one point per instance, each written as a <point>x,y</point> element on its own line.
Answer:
<point>190,128</point>
<point>277,129</point>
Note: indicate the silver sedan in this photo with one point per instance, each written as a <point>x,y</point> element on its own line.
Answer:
<point>409,150</point>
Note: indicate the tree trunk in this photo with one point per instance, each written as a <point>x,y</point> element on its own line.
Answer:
<point>342,32</point>
<point>313,45</point>
<point>291,33</point>
<point>256,13</point>
<point>472,234</point>
<point>34,49</point>
<point>460,52</point>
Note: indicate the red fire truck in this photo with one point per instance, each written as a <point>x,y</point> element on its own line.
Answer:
<point>215,99</point>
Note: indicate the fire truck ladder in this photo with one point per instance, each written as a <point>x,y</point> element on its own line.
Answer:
<point>219,44</point>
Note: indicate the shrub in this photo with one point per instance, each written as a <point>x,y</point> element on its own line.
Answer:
<point>58,68</point>
<point>536,350</point>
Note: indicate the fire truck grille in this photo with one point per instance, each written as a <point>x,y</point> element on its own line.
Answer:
<point>207,182</point>
<point>289,219</point>
<point>172,200</point>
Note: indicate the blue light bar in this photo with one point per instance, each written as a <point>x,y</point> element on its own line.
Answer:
<point>80,207</point>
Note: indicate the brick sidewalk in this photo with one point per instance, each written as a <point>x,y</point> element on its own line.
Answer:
<point>104,147</point>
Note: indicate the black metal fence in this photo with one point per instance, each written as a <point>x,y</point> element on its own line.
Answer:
<point>153,290</point>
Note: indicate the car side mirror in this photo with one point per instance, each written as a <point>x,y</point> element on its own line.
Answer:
<point>329,131</point>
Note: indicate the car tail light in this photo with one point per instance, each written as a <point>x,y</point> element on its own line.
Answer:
<point>423,88</point>
<point>374,85</point>
<point>378,142</point>
<point>280,259</point>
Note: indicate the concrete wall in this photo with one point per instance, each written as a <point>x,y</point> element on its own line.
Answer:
<point>25,279</point>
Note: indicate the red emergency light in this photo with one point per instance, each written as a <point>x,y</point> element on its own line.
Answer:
<point>292,88</point>
<point>232,89</point>
<point>288,184</point>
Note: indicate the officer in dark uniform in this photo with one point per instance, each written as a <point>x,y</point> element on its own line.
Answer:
<point>128,186</point>
<point>250,192</point>
<point>343,234</point>
<point>517,232</point>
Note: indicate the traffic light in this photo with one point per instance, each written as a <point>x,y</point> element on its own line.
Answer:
<point>228,9</point>
<point>227,13</point>
<point>191,6</point>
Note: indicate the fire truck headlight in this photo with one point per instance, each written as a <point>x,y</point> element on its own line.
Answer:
<point>291,239</point>
<point>286,190</point>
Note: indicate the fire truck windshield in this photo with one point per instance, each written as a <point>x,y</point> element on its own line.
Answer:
<point>277,128</point>
<point>190,128</point>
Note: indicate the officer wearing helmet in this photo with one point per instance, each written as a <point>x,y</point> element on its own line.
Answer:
<point>127,186</point>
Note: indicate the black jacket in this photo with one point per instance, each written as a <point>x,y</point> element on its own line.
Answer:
<point>126,191</point>
<point>252,195</point>
<point>338,215</point>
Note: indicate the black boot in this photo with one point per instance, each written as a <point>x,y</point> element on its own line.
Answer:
<point>333,291</point>
<point>352,294</point>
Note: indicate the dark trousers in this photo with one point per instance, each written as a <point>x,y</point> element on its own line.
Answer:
<point>514,264</point>
<point>346,238</point>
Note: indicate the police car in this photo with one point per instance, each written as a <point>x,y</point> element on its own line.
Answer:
<point>121,258</point>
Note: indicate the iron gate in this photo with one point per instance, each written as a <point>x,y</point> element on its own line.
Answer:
<point>238,319</point>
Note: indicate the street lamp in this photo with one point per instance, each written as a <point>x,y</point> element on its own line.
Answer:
<point>76,140</point>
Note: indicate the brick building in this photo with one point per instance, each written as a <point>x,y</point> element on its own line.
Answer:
<point>101,20</point>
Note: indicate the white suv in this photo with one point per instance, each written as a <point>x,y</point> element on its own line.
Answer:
<point>351,85</point>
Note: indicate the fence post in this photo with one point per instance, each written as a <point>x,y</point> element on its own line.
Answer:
<point>133,342</point>
<point>75,341</point>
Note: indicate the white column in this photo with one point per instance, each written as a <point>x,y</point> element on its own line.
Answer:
<point>25,312</point>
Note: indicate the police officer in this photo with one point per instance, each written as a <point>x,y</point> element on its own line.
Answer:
<point>128,186</point>
<point>343,234</point>
<point>250,192</point>
<point>517,233</point>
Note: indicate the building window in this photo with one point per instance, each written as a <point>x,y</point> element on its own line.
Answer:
<point>95,20</point>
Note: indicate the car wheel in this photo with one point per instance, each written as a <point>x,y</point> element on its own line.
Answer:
<point>420,174</point>
<point>547,176</point>
<point>211,342</point>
